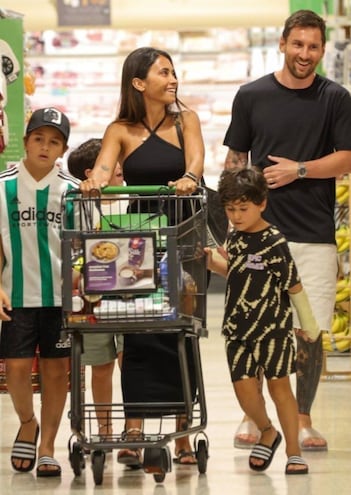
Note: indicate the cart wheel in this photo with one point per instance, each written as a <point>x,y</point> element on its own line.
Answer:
<point>202,456</point>
<point>201,449</point>
<point>159,477</point>
<point>98,461</point>
<point>76,459</point>
<point>158,462</point>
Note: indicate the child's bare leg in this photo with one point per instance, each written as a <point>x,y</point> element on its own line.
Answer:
<point>101,384</point>
<point>286,406</point>
<point>54,383</point>
<point>19,385</point>
<point>247,433</point>
<point>252,403</point>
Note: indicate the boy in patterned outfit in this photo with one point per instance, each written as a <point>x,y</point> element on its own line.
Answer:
<point>262,279</point>
<point>100,349</point>
<point>30,289</point>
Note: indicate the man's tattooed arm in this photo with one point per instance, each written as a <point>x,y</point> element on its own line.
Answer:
<point>236,159</point>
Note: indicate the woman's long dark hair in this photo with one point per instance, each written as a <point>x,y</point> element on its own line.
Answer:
<point>137,64</point>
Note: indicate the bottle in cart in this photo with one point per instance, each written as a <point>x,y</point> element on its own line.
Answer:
<point>136,251</point>
<point>164,272</point>
<point>163,268</point>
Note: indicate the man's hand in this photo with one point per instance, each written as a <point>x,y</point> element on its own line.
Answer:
<point>283,172</point>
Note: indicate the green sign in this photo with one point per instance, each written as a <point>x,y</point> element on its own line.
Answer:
<point>12,92</point>
<point>322,7</point>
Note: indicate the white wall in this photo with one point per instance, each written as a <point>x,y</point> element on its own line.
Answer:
<point>165,14</point>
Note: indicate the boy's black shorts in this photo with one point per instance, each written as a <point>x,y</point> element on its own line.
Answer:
<point>30,328</point>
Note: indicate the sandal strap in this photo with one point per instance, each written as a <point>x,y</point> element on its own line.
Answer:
<point>295,459</point>
<point>266,428</point>
<point>133,430</point>
<point>133,434</point>
<point>261,452</point>
<point>46,460</point>
<point>23,450</point>
<point>28,420</point>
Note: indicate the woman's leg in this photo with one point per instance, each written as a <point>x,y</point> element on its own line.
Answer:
<point>101,384</point>
<point>183,451</point>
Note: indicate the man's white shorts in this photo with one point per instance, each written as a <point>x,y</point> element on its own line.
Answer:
<point>318,268</point>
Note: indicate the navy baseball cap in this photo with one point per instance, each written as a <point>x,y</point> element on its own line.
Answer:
<point>51,117</point>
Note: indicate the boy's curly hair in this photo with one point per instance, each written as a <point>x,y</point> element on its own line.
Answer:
<point>247,184</point>
<point>83,157</point>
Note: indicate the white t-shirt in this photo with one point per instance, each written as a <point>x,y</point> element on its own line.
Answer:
<point>30,229</point>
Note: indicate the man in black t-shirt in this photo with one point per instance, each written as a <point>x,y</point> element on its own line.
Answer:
<point>296,126</point>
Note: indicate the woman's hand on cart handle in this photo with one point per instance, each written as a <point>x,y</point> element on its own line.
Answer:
<point>184,186</point>
<point>88,184</point>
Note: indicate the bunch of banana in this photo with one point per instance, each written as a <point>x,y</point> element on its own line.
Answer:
<point>338,338</point>
<point>343,290</point>
<point>342,237</point>
<point>340,322</point>
<point>342,193</point>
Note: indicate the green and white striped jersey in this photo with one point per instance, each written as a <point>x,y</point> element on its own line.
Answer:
<point>30,229</point>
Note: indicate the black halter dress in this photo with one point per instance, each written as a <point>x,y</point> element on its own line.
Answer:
<point>150,370</point>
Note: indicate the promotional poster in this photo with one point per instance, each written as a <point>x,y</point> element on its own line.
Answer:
<point>11,92</point>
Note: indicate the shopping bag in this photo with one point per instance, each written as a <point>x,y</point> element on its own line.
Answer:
<point>217,221</point>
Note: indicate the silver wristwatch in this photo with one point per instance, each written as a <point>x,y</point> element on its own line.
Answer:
<point>301,170</point>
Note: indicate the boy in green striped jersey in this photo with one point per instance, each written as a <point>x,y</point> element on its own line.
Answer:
<point>30,287</point>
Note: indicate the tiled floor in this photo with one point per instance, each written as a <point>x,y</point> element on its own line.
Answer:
<point>227,469</point>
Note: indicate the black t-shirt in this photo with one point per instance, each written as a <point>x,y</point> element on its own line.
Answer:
<point>301,125</point>
<point>260,272</point>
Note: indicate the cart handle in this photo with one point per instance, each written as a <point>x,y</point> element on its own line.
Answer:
<point>152,190</point>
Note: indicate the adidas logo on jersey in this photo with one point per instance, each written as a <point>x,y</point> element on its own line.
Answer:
<point>31,215</point>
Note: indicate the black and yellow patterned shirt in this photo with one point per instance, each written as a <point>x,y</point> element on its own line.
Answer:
<point>260,272</point>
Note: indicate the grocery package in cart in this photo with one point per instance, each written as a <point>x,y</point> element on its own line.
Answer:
<point>133,262</point>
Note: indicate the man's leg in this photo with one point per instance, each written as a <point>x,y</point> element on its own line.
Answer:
<point>309,367</point>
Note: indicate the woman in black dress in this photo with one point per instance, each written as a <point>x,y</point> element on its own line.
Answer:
<point>157,140</point>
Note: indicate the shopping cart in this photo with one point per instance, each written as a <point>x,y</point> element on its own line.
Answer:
<point>133,262</point>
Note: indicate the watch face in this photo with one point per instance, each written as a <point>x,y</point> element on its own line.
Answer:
<point>302,171</point>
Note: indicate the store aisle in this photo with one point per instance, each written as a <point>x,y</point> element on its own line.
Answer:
<point>227,470</point>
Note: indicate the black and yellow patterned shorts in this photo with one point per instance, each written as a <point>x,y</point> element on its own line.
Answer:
<point>275,356</point>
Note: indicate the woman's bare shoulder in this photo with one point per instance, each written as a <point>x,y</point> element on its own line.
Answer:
<point>188,117</point>
<point>116,127</point>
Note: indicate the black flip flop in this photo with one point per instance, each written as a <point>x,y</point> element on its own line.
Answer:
<point>24,451</point>
<point>264,453</point>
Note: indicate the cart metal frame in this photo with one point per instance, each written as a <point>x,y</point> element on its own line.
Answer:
<point>177,226</point>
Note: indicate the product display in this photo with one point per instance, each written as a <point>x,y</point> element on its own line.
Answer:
<point>80,71</point>
<point>338,338</point>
